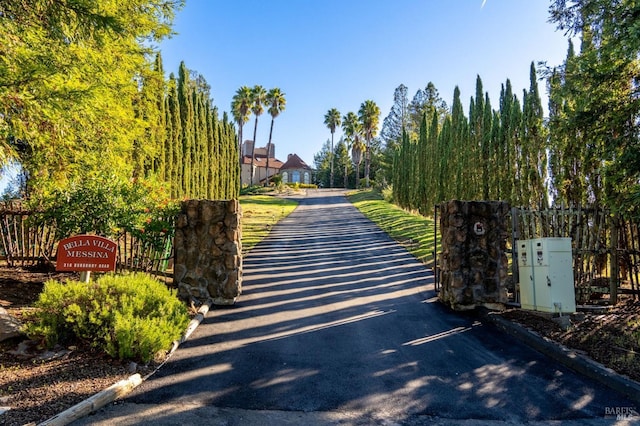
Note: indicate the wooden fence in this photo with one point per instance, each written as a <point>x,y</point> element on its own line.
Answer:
<point>24,243</point>
<point>604,248</point>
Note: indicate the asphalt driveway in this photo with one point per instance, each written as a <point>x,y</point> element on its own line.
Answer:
<point>338,324</point>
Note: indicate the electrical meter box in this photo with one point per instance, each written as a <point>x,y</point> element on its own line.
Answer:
<point>546,275</point>
<point>525,269</point>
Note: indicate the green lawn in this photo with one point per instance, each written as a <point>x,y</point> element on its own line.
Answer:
<point>413,231</point>
<point>259,214</point>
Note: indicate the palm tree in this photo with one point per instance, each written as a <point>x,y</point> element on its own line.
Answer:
<point>352,127</point>
<point>258,100</point>
<point>369,115</point>
<point>276,103</point>
<point>332,120</point>
<point>240,106</point>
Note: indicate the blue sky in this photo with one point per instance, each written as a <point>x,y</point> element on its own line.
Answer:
<point>339,53</point>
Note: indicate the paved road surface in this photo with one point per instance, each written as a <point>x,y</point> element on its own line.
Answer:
<point>339,325</point>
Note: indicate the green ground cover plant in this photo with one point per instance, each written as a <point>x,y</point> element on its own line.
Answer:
<point>298,185</point>
<point>259,214</point>
<point>131,316</point>
<point>411,230</point>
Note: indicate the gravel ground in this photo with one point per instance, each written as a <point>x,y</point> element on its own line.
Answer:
<point>37,389</point>
<point>610,337</point>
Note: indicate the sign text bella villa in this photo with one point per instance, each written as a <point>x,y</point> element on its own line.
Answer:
<point>86,253</point>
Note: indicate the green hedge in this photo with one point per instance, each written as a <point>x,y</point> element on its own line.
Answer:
<point>298,185</point>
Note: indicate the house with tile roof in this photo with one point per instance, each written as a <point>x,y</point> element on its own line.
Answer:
<point>259,169</point>
<point>294,170</point>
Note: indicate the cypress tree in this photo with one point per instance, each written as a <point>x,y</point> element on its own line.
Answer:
<point>201,146</point>
<point>534,138</point>
<point>476,139</point>
<point>186,118</point>
<point>487,148</point>
<point>404,184</point>
<point>234,191</point>
<point>443,158</point>
<point>197,144</point>
<point>570,174</point>
<point>517,196</point>
<point>422,172</point>
<point>213,159</point>
<point>496,154</point>
<point>160,165</point>
<point>506,143</point>
<point>433,168</point>
<point>459,147</point>
<point>175,127</point>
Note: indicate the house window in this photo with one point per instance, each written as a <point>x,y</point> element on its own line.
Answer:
<point>285,177</point>
<point>295,177</point>
<point>306,178</point>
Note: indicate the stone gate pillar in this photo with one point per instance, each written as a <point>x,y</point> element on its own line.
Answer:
<point>474,263</point>
<point>208,251</point>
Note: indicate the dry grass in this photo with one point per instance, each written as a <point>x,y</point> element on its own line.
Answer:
<point>259,214</point>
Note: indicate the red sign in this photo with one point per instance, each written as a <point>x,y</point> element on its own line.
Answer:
<point>86,253</point>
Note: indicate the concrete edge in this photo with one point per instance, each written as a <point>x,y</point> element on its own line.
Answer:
<point>123,387</point>
<point>567,357</point>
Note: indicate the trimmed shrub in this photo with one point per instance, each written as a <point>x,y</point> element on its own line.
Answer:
<point>130,316</point>
<point>298,185</point>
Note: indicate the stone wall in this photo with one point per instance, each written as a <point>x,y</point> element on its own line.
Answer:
<point>474,263</point>
<point>208,251</point>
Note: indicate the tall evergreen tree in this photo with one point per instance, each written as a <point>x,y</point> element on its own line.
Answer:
<point>174,124</point>
<point>160,125</point>
<point>397,120</point>
<point>187,121</point>
<point>322,163</point>
<point>417,108</point>
<point>343,162</point>
<point>487,149</point>
<point>600,102</point>
<point>444,158</point>
<point>477,138</point>
<point>534,144</point>
<point>460,147</point>
<point>425,101</point>
<point>392,127</point>
<point>506,147</point>
<point>431,177</point>
<point>423,168</point>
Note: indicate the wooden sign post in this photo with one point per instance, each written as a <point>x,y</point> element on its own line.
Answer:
<point>86,253</point>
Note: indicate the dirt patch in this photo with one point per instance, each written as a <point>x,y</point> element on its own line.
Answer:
<point>20,287</point>
<point>610,336</point>
<point>36,383</point>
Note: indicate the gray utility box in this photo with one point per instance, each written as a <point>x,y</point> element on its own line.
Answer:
<point>546,275</point>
